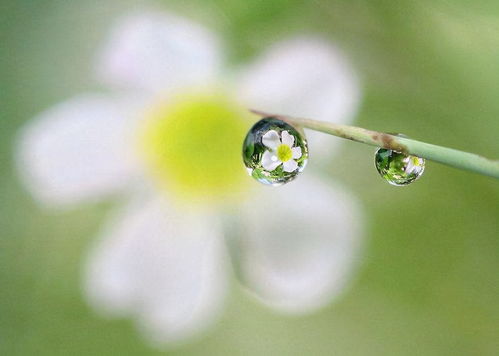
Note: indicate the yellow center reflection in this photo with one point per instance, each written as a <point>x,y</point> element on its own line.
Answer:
<point>284,153</point>
<point>192,146</point>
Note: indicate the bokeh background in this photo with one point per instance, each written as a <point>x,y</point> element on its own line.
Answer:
<point>429,279</point>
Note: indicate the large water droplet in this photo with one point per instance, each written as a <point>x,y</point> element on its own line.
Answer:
<point>274,152</point>
<point>397,168</point>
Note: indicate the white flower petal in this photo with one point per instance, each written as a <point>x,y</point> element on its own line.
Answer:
<point>287,139</point>
<point>304,77</point>
<point>301,254</point>
<point>271,139</point>
<point>270,161</point>
<point>290,166</point>
<point>164,267</point>
<point>296,152</point>
<point>79,149</point>
<point>158,52</point>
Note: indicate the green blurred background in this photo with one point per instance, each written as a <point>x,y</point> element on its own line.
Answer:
<point>429,282</point>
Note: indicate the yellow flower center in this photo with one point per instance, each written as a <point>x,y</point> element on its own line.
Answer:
<point>192,146</point>
<point>284,153</point>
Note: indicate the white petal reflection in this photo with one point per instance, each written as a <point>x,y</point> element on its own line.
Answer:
<point>159,52</point>
<point>301,254</point>
<point>271,139</point>
<point>290,166</point>
<point>287,139</point>
<point>296,152</point>
<point>270,161</point>
<point>304,77</point>
<point>164,267</point>
<point>79,149</point>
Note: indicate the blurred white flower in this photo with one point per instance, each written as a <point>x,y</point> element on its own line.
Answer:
<point>169,135</point>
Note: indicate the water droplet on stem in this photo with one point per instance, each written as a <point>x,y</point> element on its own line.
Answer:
<point>274,152</point>
<point>397,168</point>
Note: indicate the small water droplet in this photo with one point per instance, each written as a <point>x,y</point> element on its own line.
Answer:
<point>397,168</point>
<point>274,152</point>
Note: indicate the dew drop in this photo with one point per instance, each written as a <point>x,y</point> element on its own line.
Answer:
<point>274,152</point>
<point>397,168</point>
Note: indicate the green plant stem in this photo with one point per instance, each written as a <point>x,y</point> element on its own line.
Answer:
<point>448,156</point>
